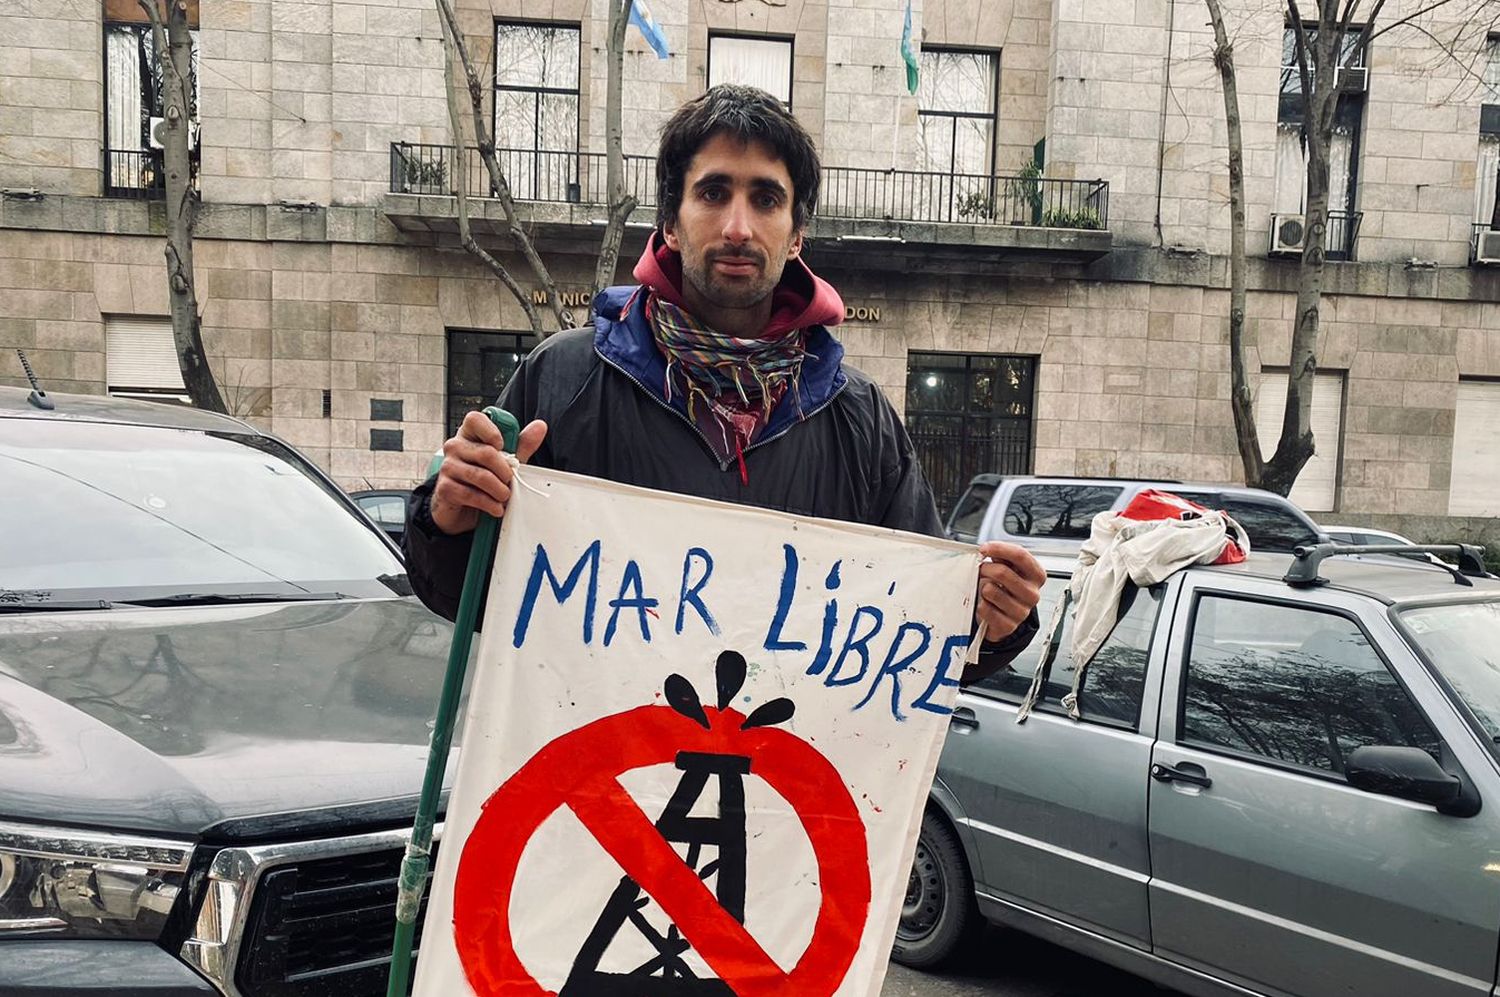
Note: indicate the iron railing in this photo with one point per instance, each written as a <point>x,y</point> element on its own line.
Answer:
<point>135,174</point>
<point>966,198</point>
<point>1343,234</point>
<point>847,192</point>
<point>563,177</point>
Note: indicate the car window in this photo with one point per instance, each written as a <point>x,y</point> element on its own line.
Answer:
<point>1115,679</point>
<point>1291,684</point>
<point>1060,511</point>
<point>387,510</point>
<point>969,513</point>
<point>1463,643</point>
<point>1270,527</point>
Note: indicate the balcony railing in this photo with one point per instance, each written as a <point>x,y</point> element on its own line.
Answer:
<point>847,192</point>
<point>134,174</point>
<point>973,199</point>
<point>1343,234</point>
<point>563,177</point>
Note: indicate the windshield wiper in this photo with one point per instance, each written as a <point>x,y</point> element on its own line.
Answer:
<point>52,605</point>
<point>230,598</point>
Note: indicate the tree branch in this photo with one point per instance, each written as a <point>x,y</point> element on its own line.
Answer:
<point>485,140</point>
<point>460,181</point>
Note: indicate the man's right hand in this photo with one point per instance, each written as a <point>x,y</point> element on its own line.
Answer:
<point>474,476</point>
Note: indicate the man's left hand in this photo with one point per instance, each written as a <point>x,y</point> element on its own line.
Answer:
<point>1010,583</point>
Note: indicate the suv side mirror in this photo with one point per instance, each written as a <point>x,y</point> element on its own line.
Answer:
<point>1410,774</point>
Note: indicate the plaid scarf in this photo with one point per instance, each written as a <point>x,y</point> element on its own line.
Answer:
<point>746,374</point>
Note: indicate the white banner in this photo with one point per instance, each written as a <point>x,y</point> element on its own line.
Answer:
<point>698,745</point>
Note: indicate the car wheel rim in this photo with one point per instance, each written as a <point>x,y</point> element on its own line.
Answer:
<point>926,896</point>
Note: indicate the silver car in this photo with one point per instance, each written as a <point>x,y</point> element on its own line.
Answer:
<point>1285,781</point>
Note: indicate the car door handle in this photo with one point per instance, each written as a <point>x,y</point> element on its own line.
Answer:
<point>1182,772</point>
<point>963,718</point>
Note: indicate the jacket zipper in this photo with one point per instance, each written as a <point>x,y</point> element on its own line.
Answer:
<point>723,464</point>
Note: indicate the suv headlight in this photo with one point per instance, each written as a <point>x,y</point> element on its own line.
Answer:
<point>81,884</point>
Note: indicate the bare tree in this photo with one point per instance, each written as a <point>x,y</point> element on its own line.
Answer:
<point>1239,385</point>
<point>621,204</point>
<point>173,41</point>
<point>1325,45</point>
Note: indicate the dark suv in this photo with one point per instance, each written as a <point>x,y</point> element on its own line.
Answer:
<point>1056,513</point>
<point>215,693</point>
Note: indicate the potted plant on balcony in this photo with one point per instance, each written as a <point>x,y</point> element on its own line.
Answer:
<point>1024,192</point>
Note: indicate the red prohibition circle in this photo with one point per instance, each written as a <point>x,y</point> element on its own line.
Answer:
<point>580,771</point>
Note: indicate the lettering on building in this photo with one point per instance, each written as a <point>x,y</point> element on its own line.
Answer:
<point>569,299</point>
<point>852,314</point>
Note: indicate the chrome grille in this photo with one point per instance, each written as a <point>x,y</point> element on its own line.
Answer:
<point>300,920</point>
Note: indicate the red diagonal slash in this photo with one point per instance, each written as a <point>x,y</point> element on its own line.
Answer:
<point>579,771</point>
<point>630,838</point>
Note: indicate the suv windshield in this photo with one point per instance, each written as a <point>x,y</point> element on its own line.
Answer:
<point>1462,641</point>
<point>141,511</point>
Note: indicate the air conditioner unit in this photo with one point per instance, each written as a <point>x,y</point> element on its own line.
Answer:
<point>1352,79</point>
<point>1487,247</point>
<point>158,134</point>
<point>1288,233</point>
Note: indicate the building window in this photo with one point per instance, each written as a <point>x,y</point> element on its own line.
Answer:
<point>1487,175</point>
<point>536,108</point>
<point>755,61</point>
<point>135,106</point>
<point>956,111</point>
<point>480,365</point>
<point>1474,489</point>
<point>967,414</point>
<point>1316,489</point>
<point>1290,195</point>
<point>141,359</point>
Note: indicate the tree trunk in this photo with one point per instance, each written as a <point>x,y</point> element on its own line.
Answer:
<point>174,48</point>
<point>1246,437</point>
<point>485,139</point>
<point>621,204</point>
<point>1296,445</point>
<point>460,181</point>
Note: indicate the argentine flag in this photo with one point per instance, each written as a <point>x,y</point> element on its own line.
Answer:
<point>640,16</point>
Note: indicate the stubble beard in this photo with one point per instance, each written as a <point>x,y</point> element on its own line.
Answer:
<point>723,292</point>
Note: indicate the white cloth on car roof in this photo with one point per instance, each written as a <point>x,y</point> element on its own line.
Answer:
<point>1119,550</point>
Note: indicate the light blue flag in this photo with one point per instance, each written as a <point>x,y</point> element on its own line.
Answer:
<point>640,16</point>
<point>909,56</point>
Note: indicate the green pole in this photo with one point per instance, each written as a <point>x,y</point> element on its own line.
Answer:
<point>419,851</point>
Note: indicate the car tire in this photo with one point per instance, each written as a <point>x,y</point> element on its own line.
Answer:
<point>938,914</point>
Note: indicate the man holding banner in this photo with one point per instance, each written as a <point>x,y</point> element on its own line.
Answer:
<point>716,377</point>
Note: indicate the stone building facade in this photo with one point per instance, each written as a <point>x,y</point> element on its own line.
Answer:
<point>338,307</point>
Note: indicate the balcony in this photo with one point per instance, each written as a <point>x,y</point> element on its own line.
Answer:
<point>1343,234</point>
<point>984,215</point>
<point>138,175</point>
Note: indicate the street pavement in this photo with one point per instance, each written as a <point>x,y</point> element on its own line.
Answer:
<point>1009,964</point>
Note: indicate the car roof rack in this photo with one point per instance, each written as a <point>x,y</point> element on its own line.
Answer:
<point>1307,559</point>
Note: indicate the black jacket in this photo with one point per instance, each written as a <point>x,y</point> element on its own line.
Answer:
<point>834,447</point>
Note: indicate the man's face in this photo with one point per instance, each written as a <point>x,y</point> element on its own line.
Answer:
<point>734,228</point>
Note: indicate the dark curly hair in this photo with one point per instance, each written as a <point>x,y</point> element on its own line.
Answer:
<point>747,114</point>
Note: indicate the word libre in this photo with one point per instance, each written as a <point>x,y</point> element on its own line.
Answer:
<point>866,647</point>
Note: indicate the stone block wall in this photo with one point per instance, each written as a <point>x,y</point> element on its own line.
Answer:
<point>51,70</point>
<point>1141,106</point>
